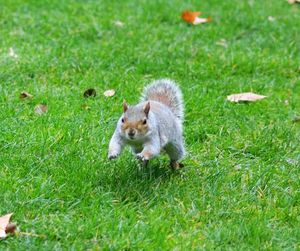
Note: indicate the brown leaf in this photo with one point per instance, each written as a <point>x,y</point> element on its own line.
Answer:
<point>245,97</point>
<point>24,95</point>
<point>4,222</point>
<point>193,17</point>
<point>40,109</point>
<point>293,1</point>
<point>90,93</point>
<point>10,228</point>
<point>109,93</point>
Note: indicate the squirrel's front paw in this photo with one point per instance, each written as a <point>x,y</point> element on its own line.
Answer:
<point>112,156</point>
<point>142,157</point>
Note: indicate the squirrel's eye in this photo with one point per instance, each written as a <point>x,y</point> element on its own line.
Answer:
<point>122,120</point>
<point>144,121</point>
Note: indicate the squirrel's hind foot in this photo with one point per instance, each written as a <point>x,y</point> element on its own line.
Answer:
<point>175,165</point>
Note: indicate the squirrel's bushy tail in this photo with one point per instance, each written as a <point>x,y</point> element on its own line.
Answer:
<point>167,92</point>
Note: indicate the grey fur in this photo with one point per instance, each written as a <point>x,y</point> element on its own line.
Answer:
<point>165,88</point>
<point>164,123</point>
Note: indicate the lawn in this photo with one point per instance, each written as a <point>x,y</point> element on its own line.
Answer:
<point>240,187</point>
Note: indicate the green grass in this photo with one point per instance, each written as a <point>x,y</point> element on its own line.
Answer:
<point>240,188</point>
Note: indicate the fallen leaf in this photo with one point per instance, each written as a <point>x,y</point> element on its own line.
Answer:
<point>109,93</point>
<point>190,16</point>
<point>193,17</point>
<point>118,23</point>
<point>2,234</point>
<point>222,42</point>
<point>199,20</point>
<point>85,107</point>
<point>40,109</point>
<point>271,19</point>
<point>90,93</point>
<point>293,1</point>
<point>11,228</point>
<point>5,226</point>
<point>12,53</point>
<point>245,97</point>
<point>24,95</point>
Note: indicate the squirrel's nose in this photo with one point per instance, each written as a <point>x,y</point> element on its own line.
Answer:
<point>131,133</point>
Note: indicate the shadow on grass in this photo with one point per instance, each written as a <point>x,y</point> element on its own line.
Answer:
<point>129,183</point>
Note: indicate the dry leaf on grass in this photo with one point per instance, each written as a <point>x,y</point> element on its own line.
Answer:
<point>293,1</point>
<point>199,20</point>
<point>40,109</point>
<point>91,92</point>
<point>12,53</point>
<point>11,228</point>
<point>85,107</point>
<point>109,93</point>
<point>25,95</point>
<point>271,19</point>
<point>5,226</point>
<point>193,17</point>
<point>245,97</point>
<point>190,16</point>
<point>222,42</point>
<point>118,23</point>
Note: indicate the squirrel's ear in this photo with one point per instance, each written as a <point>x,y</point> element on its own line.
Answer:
<point>125,106</point>
<point>147,109</point>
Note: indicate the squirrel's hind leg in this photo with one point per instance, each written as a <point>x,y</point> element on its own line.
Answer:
<point>175,150</point>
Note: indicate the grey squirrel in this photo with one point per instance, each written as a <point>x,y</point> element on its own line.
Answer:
<point>152,125</point>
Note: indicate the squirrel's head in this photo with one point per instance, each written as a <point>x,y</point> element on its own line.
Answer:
<point>134,122</point>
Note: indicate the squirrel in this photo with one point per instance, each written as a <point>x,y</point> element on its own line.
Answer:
<point>153,125</point>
